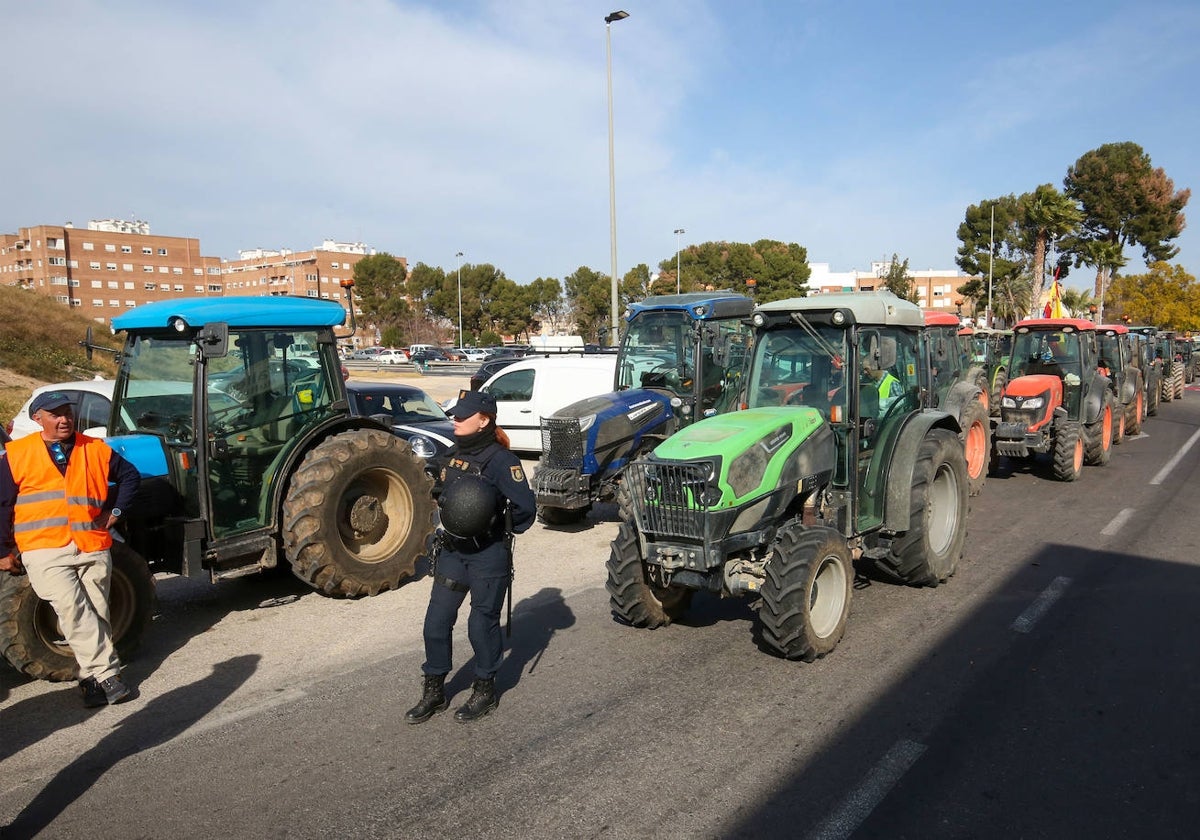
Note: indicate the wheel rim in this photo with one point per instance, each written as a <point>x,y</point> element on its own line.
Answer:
<point>375,515</point>
<point>1139,407</point>
<point>941,510</point>
<point>985,400</point>
<point>976,449</point>
<point>827,598</point>
<point>1106,429</point>
<point>1077,461</point>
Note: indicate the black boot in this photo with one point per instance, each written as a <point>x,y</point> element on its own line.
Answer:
<point>482,700</point>
<point>433,700</point>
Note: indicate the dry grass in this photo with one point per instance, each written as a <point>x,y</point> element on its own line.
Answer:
<point>39,344</point>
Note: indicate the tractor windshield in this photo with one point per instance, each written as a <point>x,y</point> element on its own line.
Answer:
<point>657,352</point>
<point>1053,352</point>
<point>792,366</point>
<point>154,389</point>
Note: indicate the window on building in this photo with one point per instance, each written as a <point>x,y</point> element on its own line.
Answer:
<point>56,261</point>
<point>214,271</point>
<point>114,303</point>
<point>312,293</point>
<point>111,266</point>
<point>129,304</point>
<point>148,269</point>
<point>76,302</point>
<point>97,301</point>
<point>146,250</point>
<point>94,265</point>
<point>111,248</point>
<point>127,266</point>
<point>179,287</point>
<point>97,284</point>
<point>198,289</point>
<point>197,272</point>
<point>213,287</point>
<point>112,284</point>
<point>62,298</point>
<point>74,284</point>
<point>53,242</point>
<point>164,269</point>
<point>126,249</point>
<point>149,287</point>
<point>162,252</point>
<point>177,270</point>
<point>127,285</point>
<point>88,246</point>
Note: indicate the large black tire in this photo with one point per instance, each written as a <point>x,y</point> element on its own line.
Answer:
<point>1098,436</point>
<point>998,382</point>
<point>357,515</point>
<point>562,516</point>
<point>1136,412</point>
<point>1167,388</point>
<point>29,634</point>
<point>928,552</point>
<point>806,595</point>
<point>1152,398</point>
<point>976,436</point>
<point>633,599</point>
<point>1178,376</point>
<point>1067,462</point>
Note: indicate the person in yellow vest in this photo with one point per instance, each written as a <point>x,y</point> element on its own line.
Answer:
<point>56,509</point>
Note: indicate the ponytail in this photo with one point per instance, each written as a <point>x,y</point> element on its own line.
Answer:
<point>501,436</point>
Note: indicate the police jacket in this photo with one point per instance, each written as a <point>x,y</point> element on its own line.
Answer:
<point>497,465</point>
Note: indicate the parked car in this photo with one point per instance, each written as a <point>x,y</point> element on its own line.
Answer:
<point>412,414</point>
<point>429,354</point>
<point>473,354</point>
<point>489,369</point>
<point>91,399</point>
<point>530,389</point>
<point>367,353</point>
<point>391,357</point>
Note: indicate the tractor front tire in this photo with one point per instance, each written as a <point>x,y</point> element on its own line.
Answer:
<point>1098,436</point>
<point>633,599</point>
<point>357,515</point>
<point>806,594</point>
<point>1068,452</point>
<point>998,383</point>
<point>976,436</point>
<point>1133,421</point>
<point>928,552</point>
<point>29,634</point>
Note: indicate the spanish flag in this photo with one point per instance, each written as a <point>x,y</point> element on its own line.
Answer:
<point>1053,307</point>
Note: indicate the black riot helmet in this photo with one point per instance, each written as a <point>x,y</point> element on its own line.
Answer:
<point>469,505</point>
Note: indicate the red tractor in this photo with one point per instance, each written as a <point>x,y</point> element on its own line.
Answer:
<point>1057,401</point>
<point>959,387</point>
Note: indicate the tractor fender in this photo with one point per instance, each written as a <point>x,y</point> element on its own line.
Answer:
<point>898,501</point>
<point>1093,403</point>
<point>961,394</point>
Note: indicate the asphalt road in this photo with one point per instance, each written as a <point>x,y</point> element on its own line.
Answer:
<point>1047,690</point>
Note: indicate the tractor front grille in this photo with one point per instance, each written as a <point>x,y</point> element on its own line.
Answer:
<point>669,500</point>
<point>562,443</point>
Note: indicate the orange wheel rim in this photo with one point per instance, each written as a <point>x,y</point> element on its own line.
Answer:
<point>1078,459</point>
<point>976,449</point>
<point>1106,429</point>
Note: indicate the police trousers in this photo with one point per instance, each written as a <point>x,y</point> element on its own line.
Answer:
<point>76,584</point>
<point>485,574</point>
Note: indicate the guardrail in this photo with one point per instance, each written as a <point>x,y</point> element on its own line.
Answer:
<point>425,369</point>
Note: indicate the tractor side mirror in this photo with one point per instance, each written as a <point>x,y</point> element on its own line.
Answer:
<point>213,340</point>
<point>887,352</point>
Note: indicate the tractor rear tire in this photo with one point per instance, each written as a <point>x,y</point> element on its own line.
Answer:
<point>928,552</point>
<point>976,436</point>
<point>633,599</point>
<point>806,594</point>
<point>562,516</point>
<point>1133,420</point>
<point>1068,452</point>
<point>1098,436</point>
<point>1152,398</point>
<point>29,634</point>
<point>1178,377</point>
<point>1167,387</point>
<point>998,383</point>
<point>357,515</point>
<point>1120,412</point>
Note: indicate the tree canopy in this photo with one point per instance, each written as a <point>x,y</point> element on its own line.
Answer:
<point>779,270</point>
<point>898,281</point>
<point>1165,296</point>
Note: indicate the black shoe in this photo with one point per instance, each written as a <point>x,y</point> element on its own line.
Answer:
<point>93,694</point>
<point>115,691</point>
<point>482,700</point>
<point>433,700</point>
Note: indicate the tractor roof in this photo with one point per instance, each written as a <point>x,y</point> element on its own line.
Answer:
<point>865,307</point>
<point>698,305</point>
<point>940,319</point>
<point>236,311</point>
<point>1053,324</point>
<point>1119,329</point>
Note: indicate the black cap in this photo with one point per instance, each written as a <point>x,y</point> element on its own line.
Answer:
<point>473,402</point>
<point>48,400</point>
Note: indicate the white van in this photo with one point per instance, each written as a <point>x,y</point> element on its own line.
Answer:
<point>528,390</point>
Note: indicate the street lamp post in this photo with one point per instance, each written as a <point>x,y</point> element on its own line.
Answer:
<point>991,258</point>
<point>460,332</point>
<point>612,177</point>
<point>678,233</point>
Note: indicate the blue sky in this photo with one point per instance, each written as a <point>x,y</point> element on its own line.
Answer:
<point>857,130</point>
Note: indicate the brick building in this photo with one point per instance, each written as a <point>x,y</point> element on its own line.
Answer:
<point>936,288</point>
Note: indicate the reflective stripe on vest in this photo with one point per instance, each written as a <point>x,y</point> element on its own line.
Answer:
<point>52,509</point>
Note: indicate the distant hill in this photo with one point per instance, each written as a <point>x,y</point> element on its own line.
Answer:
<point>39,343</point>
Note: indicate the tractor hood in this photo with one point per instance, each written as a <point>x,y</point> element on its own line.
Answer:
<point>734,433</point>
<point>636,405</point>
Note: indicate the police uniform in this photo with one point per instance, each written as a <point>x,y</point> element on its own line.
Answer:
<point>479,565</point>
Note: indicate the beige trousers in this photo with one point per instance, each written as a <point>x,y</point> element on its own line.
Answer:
<point>76,584</point>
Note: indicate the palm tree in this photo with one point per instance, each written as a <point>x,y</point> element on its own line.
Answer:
<point>1077,301</point>
<point>1106,257</point>
<point>1049,216</point>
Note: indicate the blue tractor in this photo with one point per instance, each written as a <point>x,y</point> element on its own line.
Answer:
<point>235,414</point>
<point>681,358</point>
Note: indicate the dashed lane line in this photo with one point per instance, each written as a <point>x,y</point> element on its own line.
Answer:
<point>861,801</point>
<point>1118,522</point>
<point>1041,604</point>
<point>1170,465</point>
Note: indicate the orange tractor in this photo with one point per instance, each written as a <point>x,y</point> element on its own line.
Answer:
<point>1057,400</point>
<point>959,387</point>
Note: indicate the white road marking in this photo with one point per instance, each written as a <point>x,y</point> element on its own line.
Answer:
<point>1038,608</point>
<point>1170,465</point>
<point>1118,522</point>
<point>862,800</point>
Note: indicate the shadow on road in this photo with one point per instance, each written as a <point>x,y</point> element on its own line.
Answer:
<point>157,722</point>
<point>535,621</point>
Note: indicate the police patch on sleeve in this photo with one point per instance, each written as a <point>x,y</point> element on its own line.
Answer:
<point>517,473</point>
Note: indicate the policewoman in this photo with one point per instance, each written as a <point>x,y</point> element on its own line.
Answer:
<point>481,479</point>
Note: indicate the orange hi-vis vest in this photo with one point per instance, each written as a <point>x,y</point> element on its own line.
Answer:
<point>53,509</point>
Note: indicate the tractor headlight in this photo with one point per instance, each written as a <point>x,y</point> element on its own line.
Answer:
<point>586,422</point>
<point>422,446</point>
<point>1008,402</point>
<point>1034,402</point>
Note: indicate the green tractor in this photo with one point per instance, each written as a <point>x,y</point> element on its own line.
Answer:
<point>1172,365</point>
<point>833,462</point>
<point>234,412</point>
<point>992,350</point>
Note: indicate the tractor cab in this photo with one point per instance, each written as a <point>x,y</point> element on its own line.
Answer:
<point>1118,361</point>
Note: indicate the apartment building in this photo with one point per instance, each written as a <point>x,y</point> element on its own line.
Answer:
<point>936,288</point>
<point>318,273</point>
